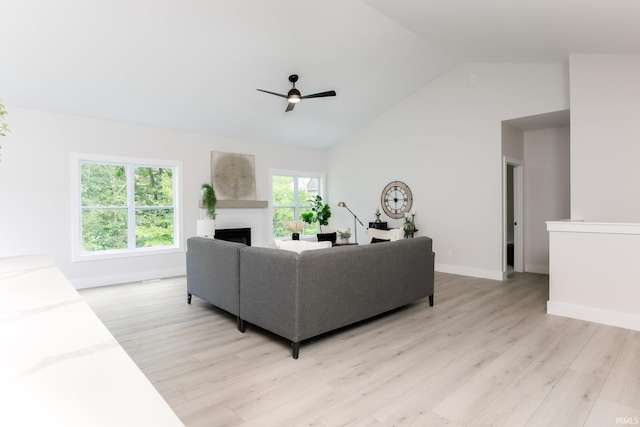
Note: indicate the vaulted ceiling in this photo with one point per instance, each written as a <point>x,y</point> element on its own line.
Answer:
<point>196,64</point>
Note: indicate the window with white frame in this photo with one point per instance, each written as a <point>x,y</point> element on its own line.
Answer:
<point>291,193</point>
<point>125,206</point>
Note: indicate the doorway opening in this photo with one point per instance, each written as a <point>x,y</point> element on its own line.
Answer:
<point>513,235</point>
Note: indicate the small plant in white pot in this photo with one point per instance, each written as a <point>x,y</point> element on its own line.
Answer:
<point>207,227</point>
<point>344,235</point>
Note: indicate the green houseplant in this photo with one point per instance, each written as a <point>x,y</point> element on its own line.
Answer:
<point>209,200</point>
<point>320,213</point>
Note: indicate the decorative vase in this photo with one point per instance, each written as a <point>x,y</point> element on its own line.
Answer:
<point>295,236</point>
<point>206,228</point>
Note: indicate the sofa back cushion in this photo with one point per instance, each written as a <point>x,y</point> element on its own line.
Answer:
<point>346,284</point>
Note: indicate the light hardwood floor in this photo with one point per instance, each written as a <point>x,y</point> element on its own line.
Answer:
<point>486,354</point>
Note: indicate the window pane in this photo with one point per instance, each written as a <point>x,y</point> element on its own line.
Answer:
<point>153,186</point>
<point>103,185</point>
<point>308,188</point>
<point>154,227</point>
<point>104,229</point>
<point>280,217</point>
<point>283,191</point>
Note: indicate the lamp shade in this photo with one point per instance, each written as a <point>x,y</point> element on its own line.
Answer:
<point>206,228</point>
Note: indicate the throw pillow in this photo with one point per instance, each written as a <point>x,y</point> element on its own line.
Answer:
<point>393,234</point>
<point>327,237</point>
<point>376,240</point>
<point>300,245</point>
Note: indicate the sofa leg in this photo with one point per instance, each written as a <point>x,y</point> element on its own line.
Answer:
<point>242,326</point>
<point>295,349</point>
<point>188,298</point>
<point>431,300</point>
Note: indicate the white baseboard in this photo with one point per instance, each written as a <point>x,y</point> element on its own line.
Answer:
<point>540,269</point>
<point>468,271</point>
<point>114,279</point>
<point>606,317</point>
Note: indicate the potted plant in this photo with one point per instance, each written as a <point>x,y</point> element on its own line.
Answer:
<point>409,225</point>
<point>344,235</point>
<point>320,213</point>
<point>207,227</point>
<point>295,227</point>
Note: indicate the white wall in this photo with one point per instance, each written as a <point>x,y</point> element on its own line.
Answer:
<point>445,142</point>
<point>546,191</point>
<point>35,189</point>
<point>593,265</point>
<point>594,272</point>
<point>605,130</point>
<point>512,142</point>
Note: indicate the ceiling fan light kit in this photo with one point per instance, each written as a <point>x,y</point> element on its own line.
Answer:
<point>294,96</point>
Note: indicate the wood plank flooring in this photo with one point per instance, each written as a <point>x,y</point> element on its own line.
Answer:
<point>486,354</point>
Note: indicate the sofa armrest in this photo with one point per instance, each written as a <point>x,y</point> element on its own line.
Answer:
<point>213,272</point>
<point>268,291</point>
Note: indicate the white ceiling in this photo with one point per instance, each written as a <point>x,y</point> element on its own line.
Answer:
<point>196,64</point>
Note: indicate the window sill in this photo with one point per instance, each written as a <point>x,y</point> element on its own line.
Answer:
<point>100,256</point>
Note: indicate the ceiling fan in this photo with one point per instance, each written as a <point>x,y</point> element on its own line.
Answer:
<point>294,96</point>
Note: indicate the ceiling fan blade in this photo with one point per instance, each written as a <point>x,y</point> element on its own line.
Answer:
<point>272,93</point>
<point>320,94</point>
<point>290,106</point>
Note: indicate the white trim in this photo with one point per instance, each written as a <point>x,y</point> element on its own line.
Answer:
<point>590,314</point>
<point>114,279</point>
<point>469,271</point>
<point>539,269</point>
<point>580,226</point>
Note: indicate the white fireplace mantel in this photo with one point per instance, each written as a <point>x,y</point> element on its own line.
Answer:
<point>241,204</point>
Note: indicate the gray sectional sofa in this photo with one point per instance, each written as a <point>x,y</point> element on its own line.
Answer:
<point>299,296</point>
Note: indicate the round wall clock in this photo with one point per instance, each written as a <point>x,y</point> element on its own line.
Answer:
<point>396,199</point>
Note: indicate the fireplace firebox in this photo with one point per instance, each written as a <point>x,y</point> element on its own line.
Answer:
<point>240,235</point>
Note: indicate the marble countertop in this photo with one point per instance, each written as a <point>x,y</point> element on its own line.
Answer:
<point>59,365</point>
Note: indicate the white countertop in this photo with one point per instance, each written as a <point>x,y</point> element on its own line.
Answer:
<point>59,365</point>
